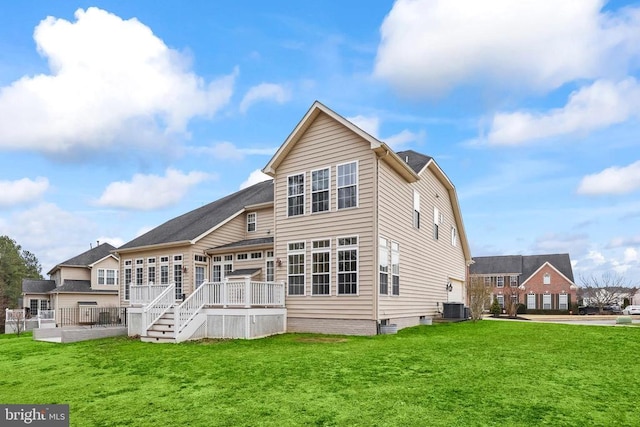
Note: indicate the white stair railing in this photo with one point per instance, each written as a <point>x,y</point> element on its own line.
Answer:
<point>190,307</point>
<point>144,294</point>
<point>159,306</point>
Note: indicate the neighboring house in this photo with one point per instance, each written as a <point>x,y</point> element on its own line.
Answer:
<point>541,282</point>
<point>360,236</point>
<point>89,279</point>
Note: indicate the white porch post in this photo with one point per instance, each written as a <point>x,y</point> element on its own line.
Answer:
<point>225,285</point>
<point>247,292</point>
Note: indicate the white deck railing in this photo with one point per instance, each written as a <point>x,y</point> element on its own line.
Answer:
<point>228,294</point>
<point>159,306</point>
<point>144,294</point>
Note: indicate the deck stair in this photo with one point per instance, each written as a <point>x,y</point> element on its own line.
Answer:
<point>162,330</point>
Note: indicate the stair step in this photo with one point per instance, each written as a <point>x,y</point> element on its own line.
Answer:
<point>162,326</point>
<point>157,340</point>
<point>162,334</point>
<point>162,321</point>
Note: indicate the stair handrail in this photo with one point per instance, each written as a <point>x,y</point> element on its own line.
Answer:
<point>185,312</point>
<point>159,306</point>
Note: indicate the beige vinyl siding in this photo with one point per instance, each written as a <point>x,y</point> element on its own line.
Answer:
<point>426,265</point>
<point>64,300</point>
<point>264,223</point>
<point>110,264</point>
<point>74,273</point>
<point>326,143</point>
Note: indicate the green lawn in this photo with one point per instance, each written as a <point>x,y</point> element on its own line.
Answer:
<point>488,373</point>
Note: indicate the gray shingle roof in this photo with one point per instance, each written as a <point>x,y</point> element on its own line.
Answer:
<point>508,264</point>
<point>31,286</point>
<point>198,221</point>
<point>80,286</point>
<point>248,242</point>
<point>522,265</point>
<point>89,257</point>
<point>415,160</point>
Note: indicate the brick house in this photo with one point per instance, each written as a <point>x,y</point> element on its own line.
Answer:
<point>540,282</point>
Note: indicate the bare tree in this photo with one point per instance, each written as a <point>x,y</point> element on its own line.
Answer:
<point>512,299</point>
<point>608,289</point>
<point>479,296</point>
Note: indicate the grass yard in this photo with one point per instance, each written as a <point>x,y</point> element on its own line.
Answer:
<point>489,373</point>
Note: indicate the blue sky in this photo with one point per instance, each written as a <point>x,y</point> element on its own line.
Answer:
<point>116,116</point>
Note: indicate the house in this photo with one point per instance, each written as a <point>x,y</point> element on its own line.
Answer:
<point>541,282</point>
<point>89,279</point>
<point>355,234</point>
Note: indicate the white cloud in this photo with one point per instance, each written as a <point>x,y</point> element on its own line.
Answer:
<point>369,124</point>
<point>111,81</point>
<point>22,191</point>
<point>148,192</point>
<point>255,177</point>
<point>51,233</point>
<point>229,151</point>
<point>602,104</point>
<point>631,255</point>
<point>613,180</point>
<point>428,47</point>
<point>264,92</point>
<point>113,241</point>
<point>403,138</point>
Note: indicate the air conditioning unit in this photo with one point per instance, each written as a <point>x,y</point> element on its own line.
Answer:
<point>453,310</point>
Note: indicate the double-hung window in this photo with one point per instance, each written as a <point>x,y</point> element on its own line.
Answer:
<point>139,272</point>
<point>395,268</point>
<point>347,185</point>
<point>546,302</point>
<point>383,254</point>
<point>295,268</point>
<point>500,282</point>
<point>513,281</point>
<point>320,190</point>
<point>295,193</point>
<point>151,271</point>
<point>348,265</point>
<point>251,222</point>
<point>563,302</point>
<point>321,267</point>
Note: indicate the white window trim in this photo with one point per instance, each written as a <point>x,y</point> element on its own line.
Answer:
<point>139,264</point>
<point>544,297</point>
<point>357,185</point>
<point>546,279</point>
<point>348,247</point>
<point>304,193</point>
<point>159,272</point>
<point>243,254</point>
<point>384,246</point>
<point>316,251</point>
<point>302,251</point>
<point>328,190</point>
<point>128,265</point>
<point>566,302</point>
<point>269,258</point>
<point>534,301</point>
<point>499,280</point>
<point>254,222</point>
<point>391,268</point>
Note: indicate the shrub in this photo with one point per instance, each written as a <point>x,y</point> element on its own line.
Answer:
<point>495,308</point>
<point>522,309</point>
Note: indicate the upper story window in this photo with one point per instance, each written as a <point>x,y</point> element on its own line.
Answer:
<point>513,281</point>
<point>348,265</point>
<point>251,222</point>
<point>546,279</point>
<point>320,190</point>
<point>242,257</point>
<point>295,193</point>
<point>416,209</point>
<point>107,276</point>
<point>500,282</point>
<point>347,185</point>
